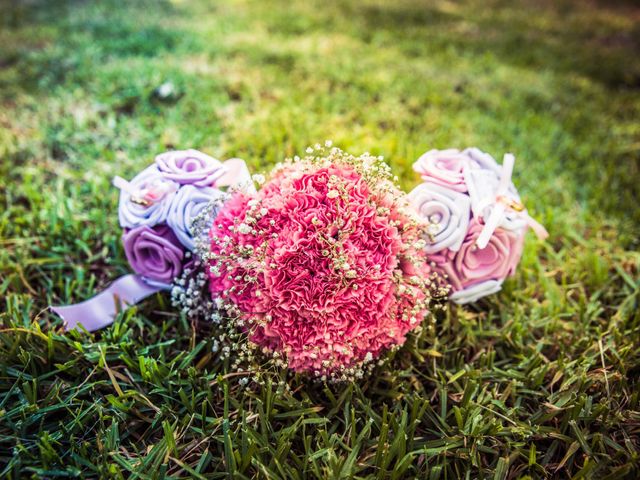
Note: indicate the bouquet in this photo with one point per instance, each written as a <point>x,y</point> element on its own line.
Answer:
<point>328,265</point>
<point>325,266</point>
<point>478,222</point>
<point>156,210</point>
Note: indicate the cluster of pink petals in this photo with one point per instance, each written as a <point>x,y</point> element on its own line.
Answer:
<point>324,279</point>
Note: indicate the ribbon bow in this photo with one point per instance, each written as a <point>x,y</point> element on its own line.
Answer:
<point>502,203</point>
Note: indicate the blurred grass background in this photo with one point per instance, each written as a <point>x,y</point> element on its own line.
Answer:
<point>540,381</point>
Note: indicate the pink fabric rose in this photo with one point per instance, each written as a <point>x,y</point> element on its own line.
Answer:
<point>472,265</point>
<point>445,167</point>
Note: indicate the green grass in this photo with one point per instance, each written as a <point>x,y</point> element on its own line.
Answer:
<point>542,380</point>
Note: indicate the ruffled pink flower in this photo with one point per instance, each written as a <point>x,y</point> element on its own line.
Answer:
<point>327,283</point>
<point>472,265</point>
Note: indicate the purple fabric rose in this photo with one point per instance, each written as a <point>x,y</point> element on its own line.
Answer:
<point>185,206</point>
<point>154,252</point>
<point>190,167</point>
<point>472,265</point>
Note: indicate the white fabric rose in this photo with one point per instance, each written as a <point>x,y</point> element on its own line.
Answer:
<point>482,160</point>
<point>185,206</point>
<point>447,210</point>
<point>146,200</point>
<point>476,292</point>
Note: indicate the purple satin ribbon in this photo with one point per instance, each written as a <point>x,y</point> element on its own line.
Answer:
<point>101,310</point>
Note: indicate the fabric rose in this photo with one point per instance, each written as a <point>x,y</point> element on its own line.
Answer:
<point>482,160</point>
<point>476,292</point>
<point>445,167</point>
<point>190,167</point>
<point>154,252</point>
<point>472,265</point>
<point>139,205</point>
<point>447,210</point>
<point>185,206</point>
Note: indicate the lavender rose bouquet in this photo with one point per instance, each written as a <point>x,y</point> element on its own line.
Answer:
<point>157,209</point>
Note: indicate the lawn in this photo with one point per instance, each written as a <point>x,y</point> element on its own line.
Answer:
<point>539,381</point>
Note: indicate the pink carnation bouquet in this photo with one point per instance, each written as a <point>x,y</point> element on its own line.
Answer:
<point>324,268</point>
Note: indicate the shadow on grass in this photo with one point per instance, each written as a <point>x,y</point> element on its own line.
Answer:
<point>66,40</point>
<point>561,36</point>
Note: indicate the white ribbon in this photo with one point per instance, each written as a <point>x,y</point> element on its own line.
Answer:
<point>502,202</point>
<point>475,292</point>
<point>237,176</point>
